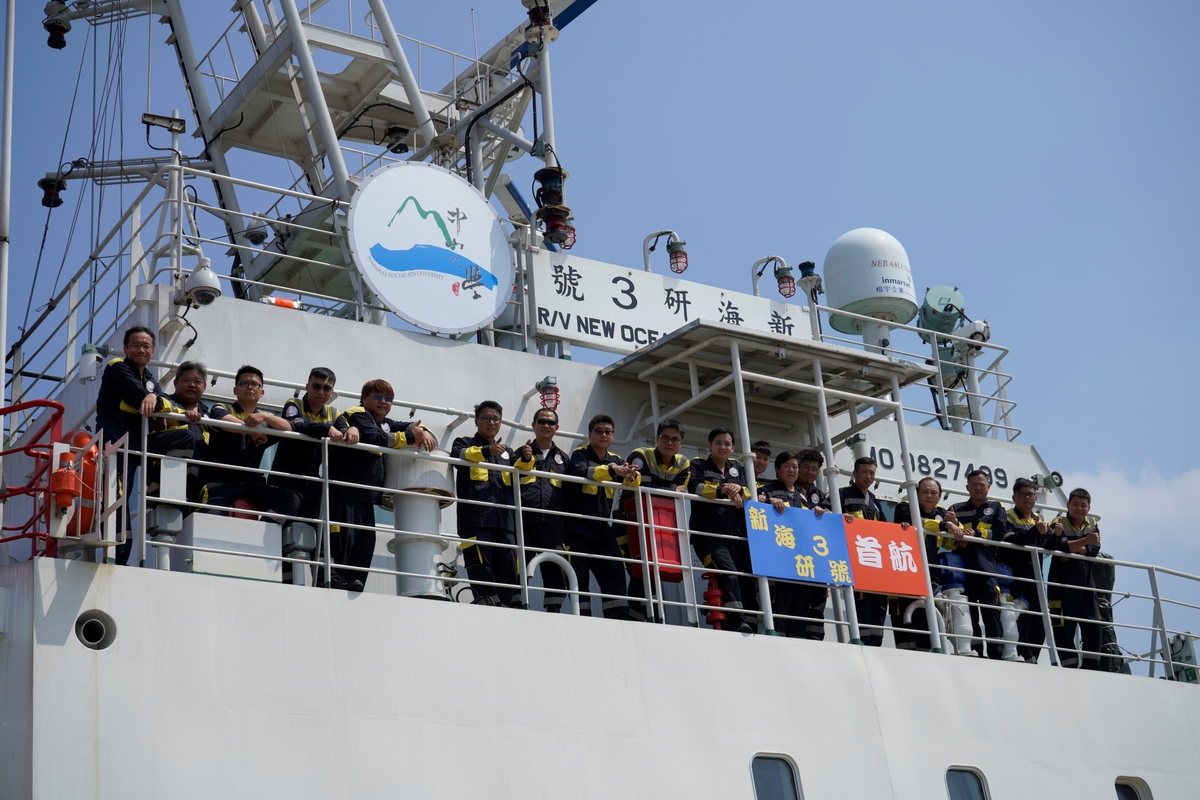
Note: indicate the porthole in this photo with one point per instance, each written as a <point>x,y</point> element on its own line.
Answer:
<point>774,779</point>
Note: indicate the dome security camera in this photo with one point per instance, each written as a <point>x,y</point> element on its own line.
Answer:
<point>203,286</point>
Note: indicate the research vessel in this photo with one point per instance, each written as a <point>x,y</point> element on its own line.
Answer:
<point>405,247</point>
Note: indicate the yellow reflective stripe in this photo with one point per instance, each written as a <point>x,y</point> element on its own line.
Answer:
<point>555,482</point>
<point>600,473</point>
<point>479,474</point>
<point>709,490</point>
<point>473,454</point>
<point>399,440</point>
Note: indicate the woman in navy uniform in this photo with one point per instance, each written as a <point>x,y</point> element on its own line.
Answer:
<point>796,599</point>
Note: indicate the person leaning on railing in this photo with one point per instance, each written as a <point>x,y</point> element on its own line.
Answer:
<point>933,521</point>
<point>1080,534</point>
<point>191,379</point>
<point>313,416</point>
<point>596,536</point>
<point>129,392</point>
<point>1025,527</point>
<point>490,519</point>
<point>722,477</point>
<point>794,487</point>
<point>538,494</point>
<point>352,543</point>
<point>661,467</point>
<point>223,486</point>
<point>985,519</point>
<point>859,502</point>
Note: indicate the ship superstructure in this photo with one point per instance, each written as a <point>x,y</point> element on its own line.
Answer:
<point>194,671</point>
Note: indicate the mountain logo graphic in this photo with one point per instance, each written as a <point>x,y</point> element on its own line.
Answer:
<point>433,257</point>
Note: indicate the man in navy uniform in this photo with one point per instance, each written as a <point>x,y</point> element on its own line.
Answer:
<point>722,477</point>
<point>661,467</point>
<point>1025,527</point>
<point>984,519</point>
<point>191,379</point>
<point>541,494</point>
<point>859,502</point>
<point>225,486</point>
<point>352,545</point>
<point>129,392</point>
<point>1075,533</point>
<point>311,415</point>
<point>595,536</point>
<point>762,460</point>
<point>488,520</point>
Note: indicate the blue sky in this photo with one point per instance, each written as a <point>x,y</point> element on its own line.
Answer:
<point>1041,157</point>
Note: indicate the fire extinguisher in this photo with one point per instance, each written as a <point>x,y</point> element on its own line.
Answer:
<point>715,598</point>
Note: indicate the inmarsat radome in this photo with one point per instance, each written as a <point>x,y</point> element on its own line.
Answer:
<point>867,273</point>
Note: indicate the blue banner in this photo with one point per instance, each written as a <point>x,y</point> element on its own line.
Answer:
<point>797,546</point>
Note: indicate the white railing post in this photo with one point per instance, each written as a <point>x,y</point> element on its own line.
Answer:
<point>325,525</point>
<point>1044,599</point>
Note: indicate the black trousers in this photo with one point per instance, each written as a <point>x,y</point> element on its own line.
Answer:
<point>1031,630</point>
<point>872,611</point>
<point>492,564</point>
<point>547,536</point>
<point>740,591</point>
<point>352,545</point>
<point>1075,603</point>
<point>271,499</point>
<point>800,600</point>
<point>986,591</point>
<point>610,575</point>
<point>161,443</point>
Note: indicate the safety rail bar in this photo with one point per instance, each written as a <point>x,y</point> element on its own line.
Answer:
<point>1003,406</point>
<point>654,600</point>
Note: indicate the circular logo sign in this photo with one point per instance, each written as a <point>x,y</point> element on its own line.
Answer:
<point>431,247</point>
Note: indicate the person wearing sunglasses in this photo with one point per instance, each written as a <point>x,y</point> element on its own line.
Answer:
<point>489,518</point>
<point>311,415</point>
<point>224,486</point>
<point>352,539</point>
<point>661,467</point>
<point>540,494</point>
<point>596,536</point>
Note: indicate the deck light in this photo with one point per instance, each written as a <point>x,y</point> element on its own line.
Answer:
<point>783,275</point>
<point>57,28</point>
<point>548,387</point>
<point>675,245</point>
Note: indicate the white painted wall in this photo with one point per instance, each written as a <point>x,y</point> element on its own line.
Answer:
<point>231,688</point>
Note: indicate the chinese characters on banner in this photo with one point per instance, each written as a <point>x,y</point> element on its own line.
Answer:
<point>797,546</point>
<point>872,556</point>
<point>887,559</point>
<point>613,308</point>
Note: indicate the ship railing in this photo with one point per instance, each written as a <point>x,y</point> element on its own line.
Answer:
<point>39,448</point>
<point>965,404</point>
<point>691,610</point>
<point>153,238</point>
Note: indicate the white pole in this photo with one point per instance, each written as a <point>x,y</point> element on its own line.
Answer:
<point>935,642</point>
<point>551,157</point>
<point>10,20</point>
<point>747,459</point>
<point>316,96</point>
<point>409,81</point>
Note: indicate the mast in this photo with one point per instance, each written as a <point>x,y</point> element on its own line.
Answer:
<point>10,16</point>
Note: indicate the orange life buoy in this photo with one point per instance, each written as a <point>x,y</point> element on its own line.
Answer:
<point>89,500</point>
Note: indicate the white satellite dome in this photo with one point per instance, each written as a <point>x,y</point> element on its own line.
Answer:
<point>866,272</point>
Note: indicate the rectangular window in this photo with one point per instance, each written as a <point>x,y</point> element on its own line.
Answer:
<point>965,784</point>
<point>774,779</point>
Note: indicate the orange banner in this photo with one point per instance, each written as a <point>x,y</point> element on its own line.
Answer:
<point>886,558</point>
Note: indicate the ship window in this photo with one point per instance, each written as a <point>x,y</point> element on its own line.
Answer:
<point>1132,789</point>
<point>964,783</point>
<point>774,779</point>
